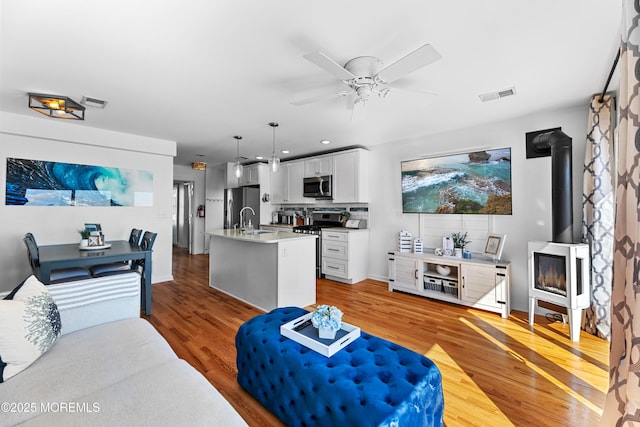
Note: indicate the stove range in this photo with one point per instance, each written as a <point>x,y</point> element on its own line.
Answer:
<point>307,229</point>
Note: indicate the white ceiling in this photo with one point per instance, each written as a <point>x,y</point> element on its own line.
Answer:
<point>201,71</point>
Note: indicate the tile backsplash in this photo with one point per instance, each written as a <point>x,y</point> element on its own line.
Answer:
<point>357,210</point>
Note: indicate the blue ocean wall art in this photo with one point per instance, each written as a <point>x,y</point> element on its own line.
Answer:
<point>477,182</point>
<point>43,183</point>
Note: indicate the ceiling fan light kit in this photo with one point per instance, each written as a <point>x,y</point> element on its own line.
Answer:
<point>57,107</point>
<point>365,75</point>
<point>238,168</point>
<point>274,161</point>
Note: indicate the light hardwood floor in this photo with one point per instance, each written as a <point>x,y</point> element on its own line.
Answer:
<point>496,372</point>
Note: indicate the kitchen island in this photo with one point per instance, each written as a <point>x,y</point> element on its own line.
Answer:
<point>265,269</point>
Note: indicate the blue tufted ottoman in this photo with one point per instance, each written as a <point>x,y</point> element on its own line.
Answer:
<point>371,382</point>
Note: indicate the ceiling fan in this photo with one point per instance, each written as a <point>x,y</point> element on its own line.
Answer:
<point>365,76</point>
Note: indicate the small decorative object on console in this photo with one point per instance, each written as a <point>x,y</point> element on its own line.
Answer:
<point>417,245</point>
<point>404,241</point>
<point>459,242</point>
<point>495,244</point>
<point>447,246</point>
<point>328,320</point>
<point>443,270</point>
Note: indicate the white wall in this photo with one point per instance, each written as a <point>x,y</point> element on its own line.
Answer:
<point>22,136</point>
<point>216,180</point>
<point>531,183</point>
<point>183,173</point>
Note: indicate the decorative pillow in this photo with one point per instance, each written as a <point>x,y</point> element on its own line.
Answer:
<point>29,326</point>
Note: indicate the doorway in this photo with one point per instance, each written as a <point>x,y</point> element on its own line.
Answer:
<point>182,214</point>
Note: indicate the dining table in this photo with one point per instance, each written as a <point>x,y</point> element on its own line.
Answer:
<point>53,257</point>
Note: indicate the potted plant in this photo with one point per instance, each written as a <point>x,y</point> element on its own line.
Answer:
<point>344,216</point>
<point>328,320</point>
<point>84,234</point>
<point>459,242</point>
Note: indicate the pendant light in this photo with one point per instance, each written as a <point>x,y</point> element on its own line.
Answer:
<point>237,169</point>
<point>274,161</point>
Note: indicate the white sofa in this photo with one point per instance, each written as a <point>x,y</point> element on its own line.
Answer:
<point>110,368</point>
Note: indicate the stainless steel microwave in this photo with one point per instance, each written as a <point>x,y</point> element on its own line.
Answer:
<point>318,187</point>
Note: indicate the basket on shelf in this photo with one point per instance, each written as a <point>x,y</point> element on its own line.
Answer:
<point>432,284</point>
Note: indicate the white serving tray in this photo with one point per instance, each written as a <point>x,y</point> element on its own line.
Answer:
<point>94,248</point>
<point>305,334</point>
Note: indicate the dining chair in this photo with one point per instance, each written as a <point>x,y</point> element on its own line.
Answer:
<point>134,237</point>
<point>57,276</point>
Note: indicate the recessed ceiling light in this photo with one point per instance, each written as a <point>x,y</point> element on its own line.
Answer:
<point>285,151</point>
<point>325,142</point>
<point>259,157</point>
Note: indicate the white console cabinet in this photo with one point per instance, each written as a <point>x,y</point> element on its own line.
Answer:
<point>475,283</point>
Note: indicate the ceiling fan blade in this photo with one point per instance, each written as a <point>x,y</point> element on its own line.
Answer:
<point>359,110</point>
<point>329,65</point>
<point>410,96</point>
<point>415,60</point>
<point>319,98</point>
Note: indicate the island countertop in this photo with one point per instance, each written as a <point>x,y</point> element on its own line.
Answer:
<point>260,236</point>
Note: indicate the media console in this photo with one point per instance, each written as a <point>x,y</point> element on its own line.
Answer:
<point>477,283</point>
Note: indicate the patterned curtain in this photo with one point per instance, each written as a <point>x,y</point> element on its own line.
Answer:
<point>622,405</point>
<point>598,207</point>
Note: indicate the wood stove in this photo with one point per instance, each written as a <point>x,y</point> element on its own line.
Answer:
<point>559,273</point>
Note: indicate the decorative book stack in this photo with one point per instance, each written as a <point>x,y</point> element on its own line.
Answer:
<point>404,241</point>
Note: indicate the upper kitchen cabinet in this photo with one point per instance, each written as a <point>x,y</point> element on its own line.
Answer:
<point>254,174</point>
<point>278,180</point>
<point>351,176</point>
<point>318,166</point>
<point>251,174</point>
<point>231,181</point>
<point>286,184</point>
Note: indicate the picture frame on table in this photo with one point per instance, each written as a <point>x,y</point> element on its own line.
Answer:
<point>92,227</point>
<point>494,245</point>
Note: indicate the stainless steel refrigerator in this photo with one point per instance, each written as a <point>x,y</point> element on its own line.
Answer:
<point>237,198</point>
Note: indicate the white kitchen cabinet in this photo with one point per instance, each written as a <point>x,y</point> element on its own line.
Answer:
<point>344,255</point>
<point>278,185</point>
<point>295,176</point>
<point>350,176</point>
<point>250,175</point>
<point>286,184</point>
<point>231,180</point>
<point>318,166</point>
<point>475,283</point>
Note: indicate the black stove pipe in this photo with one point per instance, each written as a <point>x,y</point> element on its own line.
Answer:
<point>558,144</point>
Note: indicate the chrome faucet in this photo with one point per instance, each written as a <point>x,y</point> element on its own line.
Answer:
<point>241,212</point>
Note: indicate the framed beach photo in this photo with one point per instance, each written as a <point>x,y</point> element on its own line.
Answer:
<point>494,245</point>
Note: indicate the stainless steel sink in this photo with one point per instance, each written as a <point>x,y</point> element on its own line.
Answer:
<point>257,231</point>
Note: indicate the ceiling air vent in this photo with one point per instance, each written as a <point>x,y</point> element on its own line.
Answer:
<point>93,102</point>
<point>490,96</point>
